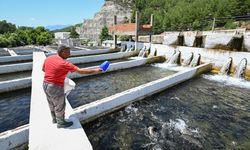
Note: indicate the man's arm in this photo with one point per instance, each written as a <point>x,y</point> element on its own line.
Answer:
<point>88,70</point>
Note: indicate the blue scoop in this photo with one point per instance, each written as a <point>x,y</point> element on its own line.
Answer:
<point>105,65</point>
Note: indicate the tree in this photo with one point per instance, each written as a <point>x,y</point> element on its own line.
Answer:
<point>73,33</point>
<point>44,38</point>
<point>6,27</point>
<point>3,41</point>
<point>104,34</point>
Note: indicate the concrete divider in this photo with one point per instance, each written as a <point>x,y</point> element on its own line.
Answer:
<point>7,86</point>
<point>14,138</point>
<point>87,59</point>
<point>92,52</point>
<point>8,59</point>
<point>101,107</point>
<point>75,60</point>
<point>12,85</point>
<point>15,68</point>
<point>115,66</point>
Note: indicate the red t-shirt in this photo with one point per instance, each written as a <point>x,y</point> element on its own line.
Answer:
<point>56,69</point>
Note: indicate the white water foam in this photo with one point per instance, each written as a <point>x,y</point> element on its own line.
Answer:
<point>227,80</point>
<point>173,67</point>
<point>179,124</point>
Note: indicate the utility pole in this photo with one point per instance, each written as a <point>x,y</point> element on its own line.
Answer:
<point>213,25</point>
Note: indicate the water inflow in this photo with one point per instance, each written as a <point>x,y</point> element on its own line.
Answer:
<point>3,53</point>
<point>195,61</point>
<point>175,58</point>
<point>240,69</point>
<point>196,114</point>
<point>188,60</point>
<point>226,67</point>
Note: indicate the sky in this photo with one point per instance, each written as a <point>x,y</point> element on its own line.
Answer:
<point>48,12</point>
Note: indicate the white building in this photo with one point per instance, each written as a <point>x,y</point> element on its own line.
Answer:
<point>62,35</point>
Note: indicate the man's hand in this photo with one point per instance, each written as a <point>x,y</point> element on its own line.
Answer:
<point>88,70</point>
<point>98,70</point>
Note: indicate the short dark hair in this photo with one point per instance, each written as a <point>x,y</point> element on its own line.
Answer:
<point>62,48</point>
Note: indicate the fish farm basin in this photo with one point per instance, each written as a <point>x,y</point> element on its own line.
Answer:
<point>196,99</point>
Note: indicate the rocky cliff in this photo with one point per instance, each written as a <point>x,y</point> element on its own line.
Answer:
<point>91,28</point>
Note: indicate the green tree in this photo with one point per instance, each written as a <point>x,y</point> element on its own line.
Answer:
<point>44,38</point>
<point>6,27</point>
<point>73,33</point>
<point>104,34</point>
<point>3,41</point>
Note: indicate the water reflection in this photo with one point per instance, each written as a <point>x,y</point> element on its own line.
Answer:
<point>197,114</point>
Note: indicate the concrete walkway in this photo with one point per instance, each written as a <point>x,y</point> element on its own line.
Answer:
<point>43,135</point>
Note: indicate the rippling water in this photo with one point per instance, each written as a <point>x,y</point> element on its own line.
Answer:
<point>14,109</point>
<point>15,75</point>
<point>93,88</point>
<point>196,114</point>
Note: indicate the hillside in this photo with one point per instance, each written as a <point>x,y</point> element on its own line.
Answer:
<point>177,15</point>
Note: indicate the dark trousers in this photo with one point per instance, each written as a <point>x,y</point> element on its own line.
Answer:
<point>56,98</point>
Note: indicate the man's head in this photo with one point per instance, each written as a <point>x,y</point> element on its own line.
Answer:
<point>63,51</point>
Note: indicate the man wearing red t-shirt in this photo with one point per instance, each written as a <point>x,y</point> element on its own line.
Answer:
<point>56,68</point>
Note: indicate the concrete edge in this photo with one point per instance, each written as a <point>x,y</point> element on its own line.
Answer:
<point>4,69</point>
<point>14,138</point>
<point>12,85</point>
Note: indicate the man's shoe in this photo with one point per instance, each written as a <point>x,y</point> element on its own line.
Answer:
<point>61,123</point>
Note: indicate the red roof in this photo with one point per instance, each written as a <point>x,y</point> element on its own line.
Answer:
<point>129,27</point>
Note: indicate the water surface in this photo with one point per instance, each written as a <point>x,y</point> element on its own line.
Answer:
<point>93,88</point>
<point>196,114</point>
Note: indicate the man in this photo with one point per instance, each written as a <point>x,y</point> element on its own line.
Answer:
<point>56,68</point>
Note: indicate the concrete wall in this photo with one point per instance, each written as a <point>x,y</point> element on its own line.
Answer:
<point>217,38</point>
<point>189,38</point>
<point>13,138</point>
<point>170,38</point>
<point>101,107</point>
<point>7,59</point>
<point>15,68</point>
<point>115,66</point>
<point>213,39</point>
<point>17,84</point>
<point>214,56</point>
<point>87,59</point>
<point>247,40</point>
